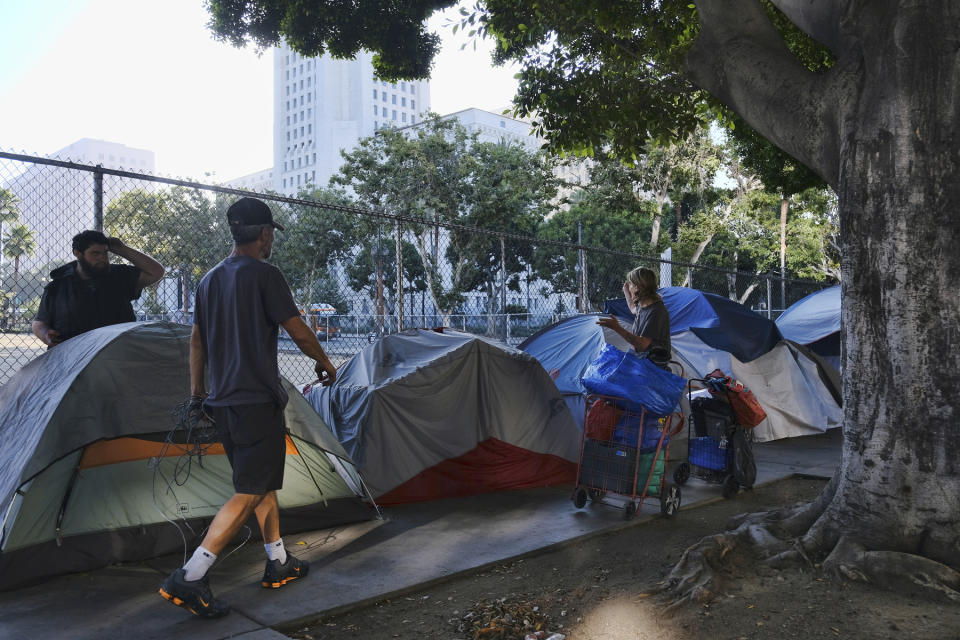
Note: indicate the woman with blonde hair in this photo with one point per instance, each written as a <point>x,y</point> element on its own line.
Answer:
<point>650,334</point>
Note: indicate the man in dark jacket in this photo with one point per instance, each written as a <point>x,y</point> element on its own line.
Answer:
<point>91,292</point>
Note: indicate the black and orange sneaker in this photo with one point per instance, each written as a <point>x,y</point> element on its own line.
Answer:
<point>194,596</point>
<point>275,575</point>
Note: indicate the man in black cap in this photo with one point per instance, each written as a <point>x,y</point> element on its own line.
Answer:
<point>90,292</point>
<point>240,305</point>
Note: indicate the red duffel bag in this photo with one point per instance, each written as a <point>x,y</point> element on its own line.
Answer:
<point>746,408</point>
<point>602,417</point>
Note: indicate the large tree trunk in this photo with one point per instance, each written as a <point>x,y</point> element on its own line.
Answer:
<point>899,194</point>
<point>886,137</point>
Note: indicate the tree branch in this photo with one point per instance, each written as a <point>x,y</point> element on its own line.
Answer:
<point>741,59</point>
<point>819,19</point>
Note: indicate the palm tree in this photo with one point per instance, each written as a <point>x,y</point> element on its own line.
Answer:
<point>18,242</point>
<point>9,212</point>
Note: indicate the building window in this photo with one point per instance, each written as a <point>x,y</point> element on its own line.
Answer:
<point>413,103</point>
<point>393,99</point>
<point>403,116</point>
<point>374,94</point>
<point>301,131</point>
<point>309,95</point>
<point>301,85</point>
<point>301,116</point>
<point>301,68</point>
<point>310,81</point>
<point>384,96</point>
<point>313,176</point>
<point>413,120</point>
<point>403,102</point>
<point>503,125</point>
<point>298,179</point>
<point>314,158</point>
<point>383,112</point>
<point>309,127</point>
<point>375,110</point>
<point>288,136</point>
<point>394,116</point>
<point>309,113</point>
<point>288,119</point>
<point>375,127</point>
<point>284,183</point>
<point>288,90</point>
<point>284,165</point>
<point>403,86</point>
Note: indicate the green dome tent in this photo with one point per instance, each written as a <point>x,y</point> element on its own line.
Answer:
<point>89,476</point>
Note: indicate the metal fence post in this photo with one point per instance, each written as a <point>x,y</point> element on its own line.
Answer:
<point>769,299</point>
<point>503,286</point>
<point>399,296</point>
<point>98,199</point>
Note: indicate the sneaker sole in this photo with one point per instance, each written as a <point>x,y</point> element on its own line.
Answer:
<point>276,585</point>
<point>204,613</point>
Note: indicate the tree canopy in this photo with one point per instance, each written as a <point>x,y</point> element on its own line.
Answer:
<point>443,175</point>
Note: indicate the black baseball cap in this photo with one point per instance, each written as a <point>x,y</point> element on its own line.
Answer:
<point>250,211</point>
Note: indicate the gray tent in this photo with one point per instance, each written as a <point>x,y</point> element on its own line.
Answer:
<point>88,477</point>
<point>428,415</point>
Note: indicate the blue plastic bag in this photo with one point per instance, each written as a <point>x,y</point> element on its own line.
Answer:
<point>637,380</point>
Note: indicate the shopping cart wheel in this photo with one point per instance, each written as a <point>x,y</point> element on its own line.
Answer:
<point>670,500</point>
<point>596,495</point>
<point>579,497</point>
<point>629,509</point>
<point>682,473</point>
<point>730,486</point>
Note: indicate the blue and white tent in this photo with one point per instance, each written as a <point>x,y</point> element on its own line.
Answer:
<point>711,332</point>
<point>814,321</point>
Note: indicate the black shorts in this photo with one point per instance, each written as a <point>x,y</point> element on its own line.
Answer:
<point>254,438</point>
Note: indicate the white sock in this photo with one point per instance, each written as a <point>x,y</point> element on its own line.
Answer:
<point>276,551</point>
<point>198,564</point>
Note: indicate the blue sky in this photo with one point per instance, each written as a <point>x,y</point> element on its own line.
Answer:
<point>148,74</point>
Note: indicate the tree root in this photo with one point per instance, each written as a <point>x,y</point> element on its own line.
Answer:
<point>894,570</point>
<point>698,576</point>
<point>803,535</point>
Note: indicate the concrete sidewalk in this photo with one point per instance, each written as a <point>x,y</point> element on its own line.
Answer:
<point>412,546</point>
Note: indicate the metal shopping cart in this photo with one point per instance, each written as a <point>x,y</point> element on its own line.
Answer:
<point>719,448</point>
<point>624,452</point>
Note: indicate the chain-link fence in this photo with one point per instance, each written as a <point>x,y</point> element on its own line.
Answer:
<point>356,274</point>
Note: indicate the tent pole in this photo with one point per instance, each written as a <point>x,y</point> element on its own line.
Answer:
<point>63,503</point>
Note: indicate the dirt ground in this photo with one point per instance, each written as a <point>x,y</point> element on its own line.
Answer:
<point>599,590</point>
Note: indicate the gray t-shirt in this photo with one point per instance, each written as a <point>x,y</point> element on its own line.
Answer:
<point>653,322</point>
<point>239,307</point>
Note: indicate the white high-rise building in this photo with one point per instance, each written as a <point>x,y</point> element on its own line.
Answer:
<point>323,106</point>
<point>261,181</point>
